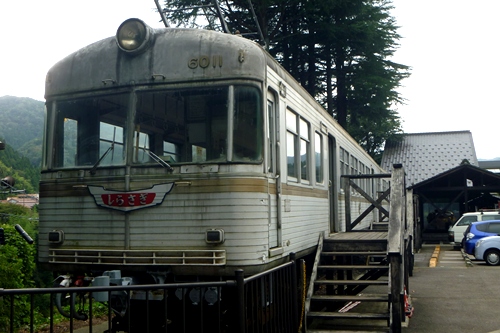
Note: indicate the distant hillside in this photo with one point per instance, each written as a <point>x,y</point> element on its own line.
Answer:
<point>21,125</point>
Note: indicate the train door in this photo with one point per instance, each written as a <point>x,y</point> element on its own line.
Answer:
<point>274,172</point>
<point>332,185</point>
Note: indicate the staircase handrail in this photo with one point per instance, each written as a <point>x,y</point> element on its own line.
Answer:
<point>314,274</point>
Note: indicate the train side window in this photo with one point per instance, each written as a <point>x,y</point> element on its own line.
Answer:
<point>367,181</point>
<point>248,125</point>
<point>318,156</point>
<point>354,165</point>
<point>298,147</point>
<point>344,161</point>
<point>362,183</point>
<point>271,134</point>
<point>305,144</point>
<point>291,135</point>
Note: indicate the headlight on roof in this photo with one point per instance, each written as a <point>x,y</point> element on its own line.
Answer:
<point>134,36</point>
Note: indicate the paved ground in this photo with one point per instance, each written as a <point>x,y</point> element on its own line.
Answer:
<point>459,294</point>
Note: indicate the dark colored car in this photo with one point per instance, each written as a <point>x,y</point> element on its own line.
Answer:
<point>478,230</point>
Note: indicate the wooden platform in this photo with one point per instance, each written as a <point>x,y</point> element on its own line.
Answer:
<point>358,235</point>
<point>356,241</point>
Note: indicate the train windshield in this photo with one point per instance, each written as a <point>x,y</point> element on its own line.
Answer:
<point>90,130</point>
<point>214,125</point>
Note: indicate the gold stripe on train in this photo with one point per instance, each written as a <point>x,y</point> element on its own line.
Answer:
<point>220,185</point>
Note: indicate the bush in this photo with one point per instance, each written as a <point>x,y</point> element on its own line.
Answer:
<point>17,267</point>
<point>17,263</point>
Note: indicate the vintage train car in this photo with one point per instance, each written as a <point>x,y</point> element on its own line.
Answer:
<point>183,152</point>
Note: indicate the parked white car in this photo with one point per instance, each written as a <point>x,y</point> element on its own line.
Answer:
<point>456,231</point>
<point>488,249</point>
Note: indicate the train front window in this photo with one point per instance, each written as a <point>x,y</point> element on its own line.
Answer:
<point>216,125</point>
<point>88,130</point>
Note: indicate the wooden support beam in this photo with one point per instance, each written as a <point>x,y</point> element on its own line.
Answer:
<point>396,246</point>
<point>374,204</point>
<point>347,203</point>
<point>396,215</point>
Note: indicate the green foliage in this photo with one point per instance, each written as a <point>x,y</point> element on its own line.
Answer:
<point>17,267</point>
<point>25,174</point>
<point>17,251</point>
<point>33,151</point>
<point>12,209</point>
<point>17,262</point>
<point>18,270</point>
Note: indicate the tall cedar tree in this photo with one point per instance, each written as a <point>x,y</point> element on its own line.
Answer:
<point>337,49</point>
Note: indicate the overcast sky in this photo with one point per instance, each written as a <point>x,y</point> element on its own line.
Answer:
<point>451,45</point>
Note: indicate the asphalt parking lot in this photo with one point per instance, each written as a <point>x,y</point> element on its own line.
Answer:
<point>459,294</point>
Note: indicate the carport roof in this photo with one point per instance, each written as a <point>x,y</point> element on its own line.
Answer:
<point>464,176</point>
<point>474,188</point>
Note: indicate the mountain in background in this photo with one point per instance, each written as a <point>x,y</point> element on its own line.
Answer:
<point>21,125</point>
<point>21,128</point>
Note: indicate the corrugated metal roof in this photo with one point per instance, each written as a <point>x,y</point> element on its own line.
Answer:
<point>424,155</point>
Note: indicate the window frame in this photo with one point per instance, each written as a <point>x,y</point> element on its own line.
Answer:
<point>295,126</point>
<point>319,167</point>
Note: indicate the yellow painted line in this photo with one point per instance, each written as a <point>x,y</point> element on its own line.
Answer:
<point>435,256</point>
<point>433,262</point>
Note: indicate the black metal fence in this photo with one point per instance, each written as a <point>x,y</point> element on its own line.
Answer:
<point>266,302</point>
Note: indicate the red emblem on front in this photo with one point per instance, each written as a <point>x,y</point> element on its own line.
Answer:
<point>128,199</point>
<point>132,200</point>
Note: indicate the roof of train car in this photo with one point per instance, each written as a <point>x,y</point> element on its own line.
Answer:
<point>102,65</point>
